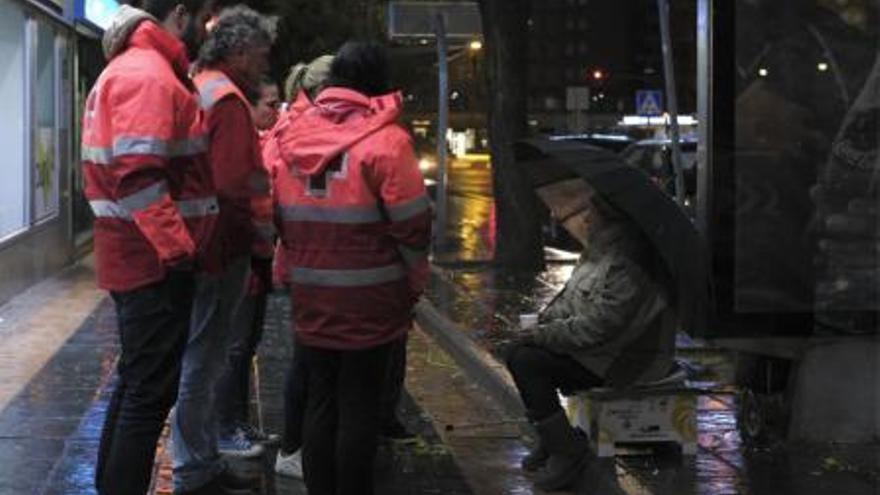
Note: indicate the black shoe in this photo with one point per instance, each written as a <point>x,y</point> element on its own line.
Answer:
<point>232,481</point>
<point>395,430</point>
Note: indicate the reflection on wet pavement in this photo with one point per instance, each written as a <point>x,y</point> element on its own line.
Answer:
<point>471,209</point>
<point>487,303</point>
<point>49,431</point>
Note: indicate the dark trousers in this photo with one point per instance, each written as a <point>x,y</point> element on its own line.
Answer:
<point>153,328</point>
<point>342,418</point>
<point>295,397</point>
<point>539,373</point>
<point>296,385</point>
<point>234,385</point>
<point>394,382</point>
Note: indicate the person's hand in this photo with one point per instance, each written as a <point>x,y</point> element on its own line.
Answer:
<point>521,337</point>
<point>526,335</point>
<point>182,265</point>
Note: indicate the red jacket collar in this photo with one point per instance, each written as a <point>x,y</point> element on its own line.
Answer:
<point>342,98</point>
<point>151,36</point>
<point>239,81</point>
<point>334,96</point>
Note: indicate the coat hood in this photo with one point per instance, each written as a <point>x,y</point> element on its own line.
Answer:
<point>339,118</point>
<point>126,20</point>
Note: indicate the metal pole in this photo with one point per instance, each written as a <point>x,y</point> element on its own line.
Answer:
<point>442,125</point>
<point>669,70</point>
<point>705,61</point>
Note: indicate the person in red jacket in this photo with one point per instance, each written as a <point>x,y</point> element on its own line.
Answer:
<point>303,84</point>
<point>231,62</point>
<point>356,225</point>
<point>234,392</point>
<point>149,185</point>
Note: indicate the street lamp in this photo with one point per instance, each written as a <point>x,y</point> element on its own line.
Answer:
<point>475,45</point>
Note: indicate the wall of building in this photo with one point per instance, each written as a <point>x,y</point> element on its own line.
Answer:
<point>36,47</point>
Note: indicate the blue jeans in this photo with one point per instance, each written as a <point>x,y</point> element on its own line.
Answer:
<point>194,427</point>
<point>234,385</point>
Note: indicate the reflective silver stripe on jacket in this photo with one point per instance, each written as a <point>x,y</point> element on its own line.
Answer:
<point>103,208</point>
<point>347,278</point>
<point>191,208</point>
<point>408,209</point>
<point>201,207</point>
<point>206,92</point>
<point>144,145</point>
<point>96,155</point>
<point>145,197</point>
<point>350,214</point>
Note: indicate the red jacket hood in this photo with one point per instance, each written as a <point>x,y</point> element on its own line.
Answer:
<point>134,27</point>
<point>338,119</point>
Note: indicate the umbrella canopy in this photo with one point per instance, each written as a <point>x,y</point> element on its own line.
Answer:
<point>566,173</point>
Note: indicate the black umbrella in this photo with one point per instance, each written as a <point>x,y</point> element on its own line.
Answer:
<point>556,165</point>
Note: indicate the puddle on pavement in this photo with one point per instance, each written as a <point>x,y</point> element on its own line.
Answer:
<point>487,304</point>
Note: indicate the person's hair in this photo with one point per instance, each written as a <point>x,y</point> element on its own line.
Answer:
<point>238,28</point>
<point>310,77</point>
<point>160,9</point>
<point>255,94</point>
<point>363,67</point>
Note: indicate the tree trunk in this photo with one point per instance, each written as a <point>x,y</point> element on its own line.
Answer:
<point>518,228</point>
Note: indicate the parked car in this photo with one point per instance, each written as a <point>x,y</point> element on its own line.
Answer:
<point>608,140</point>
<point>654,156</point>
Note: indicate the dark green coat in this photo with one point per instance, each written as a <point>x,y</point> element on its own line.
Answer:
<point>613,319</point>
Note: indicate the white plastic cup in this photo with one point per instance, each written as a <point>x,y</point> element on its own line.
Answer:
<point>528,320</point>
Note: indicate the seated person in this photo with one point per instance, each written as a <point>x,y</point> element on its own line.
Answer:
<point>604,329</point>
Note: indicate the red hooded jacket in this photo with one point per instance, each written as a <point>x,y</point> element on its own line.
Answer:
<point>143,152</point>
<point>354,219</point>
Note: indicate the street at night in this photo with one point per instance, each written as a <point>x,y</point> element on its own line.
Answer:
<point>457,247</point>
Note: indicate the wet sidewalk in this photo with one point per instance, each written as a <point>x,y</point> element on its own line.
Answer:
<point>473,311</point>
<point>50,427</point>
<point>59,351</point>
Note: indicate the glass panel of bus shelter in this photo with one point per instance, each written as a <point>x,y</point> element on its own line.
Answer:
<point>45,174</point>
<point>806,170</point>
<point>13,198</point>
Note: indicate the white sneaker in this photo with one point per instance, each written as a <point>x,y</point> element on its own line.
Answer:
<point>289,466</point>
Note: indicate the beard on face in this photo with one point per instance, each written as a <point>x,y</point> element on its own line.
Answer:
<point>192,37</point>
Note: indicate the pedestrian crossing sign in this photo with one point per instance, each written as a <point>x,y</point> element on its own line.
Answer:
<point>649,103</point>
